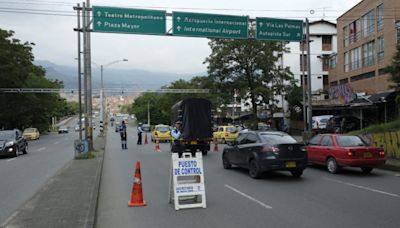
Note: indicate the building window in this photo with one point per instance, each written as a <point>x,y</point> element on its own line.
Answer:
<point>305,80</point>
<point>303,46</point>
<point>368,52</point>
<point>344,81</point>
<point>379,15</point>
<point>326,43</point>
<point>346,36</point>
<point>381,49</point>
<point>346,62</point>
<point>363,76</point>
<point>355,56</point>
<point>325,62</point>
<point>398,32</point>
<point>325,82</point>
<point>368,21</point>
<point>303,58</point>
<point>332,61</point>
<point>334,83</point>
<point>355,31</point>
<point>381,71</point>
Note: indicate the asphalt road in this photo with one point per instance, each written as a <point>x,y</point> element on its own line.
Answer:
<point>23,176</point>
<point>317,199</point>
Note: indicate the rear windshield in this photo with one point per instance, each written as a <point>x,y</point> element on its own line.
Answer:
<point>29,130</point>
<point>277,138</point>
<point>4,135</point>
<point>231,129</point>
<point>349,141</point>
<point>162,129</point>
<point>324,120</point>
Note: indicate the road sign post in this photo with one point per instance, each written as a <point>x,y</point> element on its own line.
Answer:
<point>279,29</point>
<point>209,25</point>
<point>125,20</point>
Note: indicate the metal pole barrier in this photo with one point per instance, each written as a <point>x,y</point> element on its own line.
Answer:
<point>309,77</point>
<point>79,73</point>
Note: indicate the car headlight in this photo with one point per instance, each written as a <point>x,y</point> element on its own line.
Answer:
<point>11,143</point>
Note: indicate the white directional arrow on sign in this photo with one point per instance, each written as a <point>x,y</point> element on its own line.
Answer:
<point>179,28</point>
<point>178,19</point>
<point>99,13</point>
<point>99,23</point>
<point>261,24</point>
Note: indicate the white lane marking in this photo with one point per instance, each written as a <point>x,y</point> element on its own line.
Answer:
<point>248,197</point>
<point>41,148</point>
<point>8,220</point>
<point>55,143</point>
<point>12,159</point>
<point>362,187</point>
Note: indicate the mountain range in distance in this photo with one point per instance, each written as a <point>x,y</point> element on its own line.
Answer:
<point>113,78</point>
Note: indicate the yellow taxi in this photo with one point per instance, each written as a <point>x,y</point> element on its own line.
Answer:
<point>162,132</point>
<point>226,133</point>
<point>31,133</point>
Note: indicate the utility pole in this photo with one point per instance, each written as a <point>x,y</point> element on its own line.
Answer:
<point>148,113</point>
<point>79,72</point>
<point>89,78</point>
<point>309,77</point>
<point>85,85</point>
<point>303,87</point>
<point>102,102</point>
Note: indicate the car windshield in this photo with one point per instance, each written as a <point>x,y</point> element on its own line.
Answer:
<point>231,129</point>
<point>272,138</point>
<point>162,129</point>
<point>349,141</point>
<point>29,130</point>
<point>324,120</point>
<point>5,135</point>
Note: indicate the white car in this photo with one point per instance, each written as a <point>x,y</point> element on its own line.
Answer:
<point>319,122</point>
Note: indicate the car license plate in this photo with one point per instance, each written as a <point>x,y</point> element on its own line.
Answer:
<point>367,155</point>
<point>290,164</point>
<point>193,142</point>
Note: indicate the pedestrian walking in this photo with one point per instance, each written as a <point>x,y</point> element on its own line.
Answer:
<point>140,131</point>
<point>122,132</point>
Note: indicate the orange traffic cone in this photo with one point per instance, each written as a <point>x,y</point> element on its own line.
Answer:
<point>137,194</point>
<point>215,145</point>
<point>157,149</point>
<point>145,139</point>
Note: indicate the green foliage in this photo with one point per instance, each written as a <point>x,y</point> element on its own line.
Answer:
<point>21,110</point>
<point>160,103</point>
<point>249,65</point>
<point>294,97</point>
<point>394,71</point>
<point>395,125</point>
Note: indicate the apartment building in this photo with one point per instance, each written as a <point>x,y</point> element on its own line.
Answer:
<point>367,36</point>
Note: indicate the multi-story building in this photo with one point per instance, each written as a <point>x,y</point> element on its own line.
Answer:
<point>322,46</point>
<point>367,36</point>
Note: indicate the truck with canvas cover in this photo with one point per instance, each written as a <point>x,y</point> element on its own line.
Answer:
<point>196,125</point>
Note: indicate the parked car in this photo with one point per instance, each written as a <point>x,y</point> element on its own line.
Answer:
<point>162,132</point>
<point>31,134</point>
<point>265,151</point>
<point>64,129</point>
<point>226,134</point>
<point>338,150</point>
<point>319,123</point>
<point>12,143</point>
<point>343,124</point>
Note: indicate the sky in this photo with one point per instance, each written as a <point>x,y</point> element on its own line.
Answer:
<point>56,41</point>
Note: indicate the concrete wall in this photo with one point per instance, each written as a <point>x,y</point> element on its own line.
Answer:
<point>390,141</point>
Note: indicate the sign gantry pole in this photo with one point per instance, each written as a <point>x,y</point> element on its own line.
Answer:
<point>89,77</point>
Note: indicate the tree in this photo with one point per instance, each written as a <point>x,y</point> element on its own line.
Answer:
<point>20,110</point>
<point>249,66</point>
<point>394,71</point>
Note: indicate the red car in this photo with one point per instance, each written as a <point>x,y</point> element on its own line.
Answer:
<point>337,150</point>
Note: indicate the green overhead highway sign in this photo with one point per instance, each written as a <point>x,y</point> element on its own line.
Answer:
<point>125,20</point>
<point>279,29</point>
<point>209,25</point>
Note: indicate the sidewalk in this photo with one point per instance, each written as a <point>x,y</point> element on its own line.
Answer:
<point>69,199</point>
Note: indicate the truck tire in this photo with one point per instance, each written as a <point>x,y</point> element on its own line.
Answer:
<point>204,152</point>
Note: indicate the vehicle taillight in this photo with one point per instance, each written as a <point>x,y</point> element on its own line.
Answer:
<point>226,134</point>
<point>351,153</point>
<point>382,153</point>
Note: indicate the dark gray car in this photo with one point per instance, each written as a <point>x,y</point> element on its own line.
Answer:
<point>12,143</point>
<point>266,151</point>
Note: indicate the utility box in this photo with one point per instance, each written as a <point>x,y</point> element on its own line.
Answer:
<point>81,146</point>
